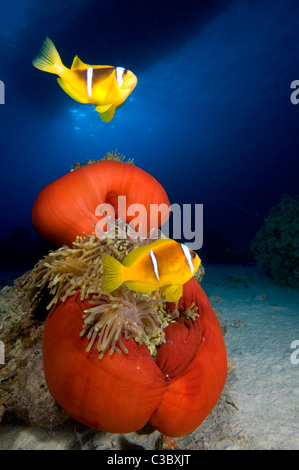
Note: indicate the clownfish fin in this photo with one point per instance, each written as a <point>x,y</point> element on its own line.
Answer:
<point>173,292</point>
<point>78,64</point>
<point>48,58</point>
<point>106,112</point>
<point>70,91</point>
<point>137,287</point>
<point>113,273</point>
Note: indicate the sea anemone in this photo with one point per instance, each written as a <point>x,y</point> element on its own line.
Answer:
<point>115,362</point>
<point>174,390</point>
<point>68,270</point>
<point>70,206</point>
<point>116,156</point>
<point>193,360</point>
<point>124,312</point>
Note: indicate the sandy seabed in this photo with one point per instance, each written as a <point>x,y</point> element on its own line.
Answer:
<point>258,408</point>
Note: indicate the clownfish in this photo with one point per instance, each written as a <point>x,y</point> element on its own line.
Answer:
<point>104,86</point>
<point>164,264</point>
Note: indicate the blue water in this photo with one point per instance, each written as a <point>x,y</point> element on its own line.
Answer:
<point>211,116</point>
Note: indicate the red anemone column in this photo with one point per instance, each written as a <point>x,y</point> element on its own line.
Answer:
<point>67,207</point>
<point>120,393</point>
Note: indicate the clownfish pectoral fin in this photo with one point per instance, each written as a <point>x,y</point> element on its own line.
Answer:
<point>106,112</point>
<point>78,64</point>
<point>138,287</point>
<point>113,273</point>
<point>173,292</point>
<point>70,91</point>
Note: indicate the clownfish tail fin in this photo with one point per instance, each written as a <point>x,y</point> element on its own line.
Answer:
<point>113,273</point>
<point>48,58</point>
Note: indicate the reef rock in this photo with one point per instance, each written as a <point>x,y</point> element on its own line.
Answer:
<point>23,390</point>
<point>276,245</point>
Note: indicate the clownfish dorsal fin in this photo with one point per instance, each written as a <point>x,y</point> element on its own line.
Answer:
<point>135,254</point>
<point>78,64</point>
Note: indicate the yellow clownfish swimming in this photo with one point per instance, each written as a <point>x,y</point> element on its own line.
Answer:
<point>164,264</point>
<point>104,86</point>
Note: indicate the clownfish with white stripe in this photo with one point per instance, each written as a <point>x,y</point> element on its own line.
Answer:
<point>164,264</point>
<point>104,86</point>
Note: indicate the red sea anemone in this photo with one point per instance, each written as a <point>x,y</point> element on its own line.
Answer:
<point>121,392</point>
<point>67,207</point>
<point>116,362</point>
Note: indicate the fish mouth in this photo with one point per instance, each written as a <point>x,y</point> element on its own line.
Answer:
<point>132,84</point>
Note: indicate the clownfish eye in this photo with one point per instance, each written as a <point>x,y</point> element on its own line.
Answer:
<point>193,254</point>
<point>125,71</point>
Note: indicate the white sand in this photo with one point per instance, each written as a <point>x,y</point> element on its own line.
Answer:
<point>259,405</point>
<point>265,383</point>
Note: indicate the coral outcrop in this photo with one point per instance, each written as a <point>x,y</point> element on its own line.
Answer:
<point>276,245</point>
<point>23,390</point>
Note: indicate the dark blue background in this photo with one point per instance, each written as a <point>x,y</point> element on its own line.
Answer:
<point>210,118</point>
